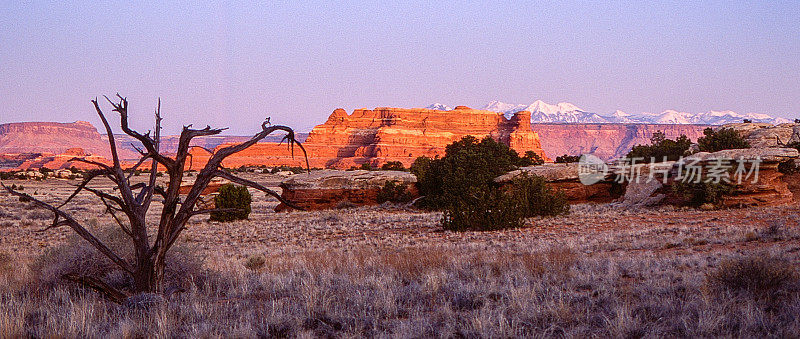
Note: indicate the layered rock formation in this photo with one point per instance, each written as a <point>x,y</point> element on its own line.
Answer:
<point>54,138</point>
<point>767,188</point>
<point>564,178</point>
<point>60,161</point>
<point>332,188</point>
<point>607,141</point>
<point>767,135</point>
<point>760,186</point>
<point>392,134</point>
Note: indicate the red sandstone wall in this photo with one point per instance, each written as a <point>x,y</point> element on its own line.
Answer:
<point>393,134</point>
<point>54,137</point>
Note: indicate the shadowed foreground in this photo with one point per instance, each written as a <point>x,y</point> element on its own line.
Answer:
<point>425,292</point>
<point>387,271</point>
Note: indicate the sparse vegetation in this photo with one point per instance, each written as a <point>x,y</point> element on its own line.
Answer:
<point>530,159</point>
<point>128,202</point>
<point>536,198</point>
<point>236,199</point>
<point>483,210</point>
<point>393,166</point>
<point>702,193</point>
<point>566,159</point>
<point>255,262</point>
<point>390,271</point>
<point>762,276</point>
<point>467,169</point>
<point>789,167</point>
<point>394,192</point>
<point>722,139</point>
<point>462,185</point>
<point>661,148</point>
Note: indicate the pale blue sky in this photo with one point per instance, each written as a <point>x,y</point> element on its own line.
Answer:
<point>234,64</point>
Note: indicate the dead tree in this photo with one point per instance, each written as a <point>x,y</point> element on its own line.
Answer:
<point>131,202</point>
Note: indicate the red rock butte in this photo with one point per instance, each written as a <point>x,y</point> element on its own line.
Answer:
<point>388,134</point>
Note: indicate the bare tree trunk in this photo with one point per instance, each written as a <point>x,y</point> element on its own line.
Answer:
<point>133,201</point>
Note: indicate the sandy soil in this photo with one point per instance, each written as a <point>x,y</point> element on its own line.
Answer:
<point>593,229</point>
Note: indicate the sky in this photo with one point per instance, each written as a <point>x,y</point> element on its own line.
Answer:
<point>233,64</point>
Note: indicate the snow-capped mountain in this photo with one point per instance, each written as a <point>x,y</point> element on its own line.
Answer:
<point>440,107</point>
<point>565,112</point>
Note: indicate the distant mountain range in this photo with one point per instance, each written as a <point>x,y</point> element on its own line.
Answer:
<point>564,112</point>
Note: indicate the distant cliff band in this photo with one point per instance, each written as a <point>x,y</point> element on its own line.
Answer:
<point>373,137</point>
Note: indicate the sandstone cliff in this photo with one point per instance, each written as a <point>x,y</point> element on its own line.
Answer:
<point>392,134</point>
<point>607,141</point>
<point>344,140</point>
<point>54,138</point>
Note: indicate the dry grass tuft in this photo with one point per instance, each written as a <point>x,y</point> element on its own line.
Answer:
<point>255,262</point>
<point>759,275</point>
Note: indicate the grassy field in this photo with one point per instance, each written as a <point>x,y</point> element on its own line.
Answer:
<point>392,271</point>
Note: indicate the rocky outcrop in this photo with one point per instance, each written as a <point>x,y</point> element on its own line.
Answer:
<point>767,135</point>
<point>606,141</point>
<point>763,186</point>
<point>60,161</point>
<point>767,188</point>
<point>564,178</point>
<point>393,134</point>
<point>325,189</point>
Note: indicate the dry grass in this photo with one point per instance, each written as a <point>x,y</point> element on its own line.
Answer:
<point>392,272</point>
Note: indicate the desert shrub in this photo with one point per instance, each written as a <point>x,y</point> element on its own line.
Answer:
<point>722,139</point>
<point>393,166</point>
<point>77,256</point>
<point>759,275</point>
<point>394,192</point>
<point>232,196</point>
<point>469,165</point>
<point>536,198</point>
<point>366,166</point>
<point>483,210</point>
<point>566,159</point>
<point>700,193</point>
<point>661,147</point>
<point>495,209</point>
<point>530,159</point>
<point>419,168</point>
<point>255,262</point>
<point>789,167</point>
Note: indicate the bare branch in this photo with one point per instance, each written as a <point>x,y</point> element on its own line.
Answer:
<point>136,167</point>
<point>111,142</point>
<point>110,210</point>
<point>98,285</point>
<point>89,176</point>
<point>223,153</point>
<point>148,143</point>
<point>92,162</point>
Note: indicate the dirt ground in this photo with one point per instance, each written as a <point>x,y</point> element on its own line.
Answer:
<point>594,229</point>
<point>391,271</point>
